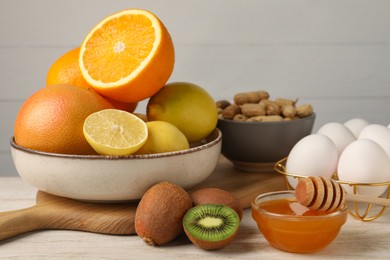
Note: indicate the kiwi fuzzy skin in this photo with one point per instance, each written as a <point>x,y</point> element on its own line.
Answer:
<point>160,212</point>
<point>216,196</point>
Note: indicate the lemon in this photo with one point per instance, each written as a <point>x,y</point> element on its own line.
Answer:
<point>115,132</point>
<point>163,137</point>
<point>187,106</point>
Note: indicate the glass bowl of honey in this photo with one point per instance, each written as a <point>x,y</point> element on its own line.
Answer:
<point>291,227</point>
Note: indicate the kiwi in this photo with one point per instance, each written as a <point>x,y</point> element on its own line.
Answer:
<point>216,196</point>
<point>159,215</point>
<point>211,226</point>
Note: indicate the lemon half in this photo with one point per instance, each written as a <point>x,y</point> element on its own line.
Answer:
<point>115,132</point>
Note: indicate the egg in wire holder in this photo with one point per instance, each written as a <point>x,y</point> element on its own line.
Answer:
<point>360,211</point>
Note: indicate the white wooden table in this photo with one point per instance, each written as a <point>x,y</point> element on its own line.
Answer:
<point>357,239</point>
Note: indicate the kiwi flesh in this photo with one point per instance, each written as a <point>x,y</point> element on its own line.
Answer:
<point>211,226</point>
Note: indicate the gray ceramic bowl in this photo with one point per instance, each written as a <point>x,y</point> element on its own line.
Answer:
<point>115,178</point>
<point>256,146</point>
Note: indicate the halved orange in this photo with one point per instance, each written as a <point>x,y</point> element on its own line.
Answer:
<point>128,56</point>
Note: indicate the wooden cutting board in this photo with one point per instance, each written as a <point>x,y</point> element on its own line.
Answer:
<point>245,185</point>
<point>53,212</point>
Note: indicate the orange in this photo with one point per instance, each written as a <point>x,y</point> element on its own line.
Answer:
<point>51,120</point>
<point>66,70</point>
<point>128,56</point>
<point>125,106</point>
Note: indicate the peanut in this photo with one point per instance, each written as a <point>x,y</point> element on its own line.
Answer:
<point>255,106</point>
<point>289,111</point>
<point>240,117</point>
<point>223,104</point>
<point>265,102</point>
<point>272,109</point>
<point>250,97</point>
<point>250,109</point>
<point>230,111</point>
<point>304,110</point>
<point>283,102</point>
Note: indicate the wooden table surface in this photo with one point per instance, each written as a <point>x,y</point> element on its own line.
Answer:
<point>357,239</point>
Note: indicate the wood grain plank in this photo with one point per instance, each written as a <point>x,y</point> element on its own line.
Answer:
<point>53,212</point>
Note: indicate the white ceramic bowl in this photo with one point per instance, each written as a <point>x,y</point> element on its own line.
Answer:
<point>115,178</point>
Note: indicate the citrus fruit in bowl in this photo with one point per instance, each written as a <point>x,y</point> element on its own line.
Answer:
<point>51,120</point>
<point>136,51</point>
<point>187,106</point>
<point>103,178</point>
<point>163,137</point>
<point>71,142</point>
<point>66,70</point>
<point>115,132</point>
<point>77,137</point>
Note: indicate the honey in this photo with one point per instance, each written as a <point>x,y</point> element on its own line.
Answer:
<point>291,227</point>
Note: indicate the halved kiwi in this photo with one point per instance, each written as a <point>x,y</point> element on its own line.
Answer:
<point>211,226</point>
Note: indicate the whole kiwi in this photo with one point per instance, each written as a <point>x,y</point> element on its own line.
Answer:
<point>216,196</point>
<point>160,212</point>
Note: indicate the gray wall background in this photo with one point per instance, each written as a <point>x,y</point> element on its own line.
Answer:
<point>334,54</point>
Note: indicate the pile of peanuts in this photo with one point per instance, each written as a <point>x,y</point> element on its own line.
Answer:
<point>256,106</point>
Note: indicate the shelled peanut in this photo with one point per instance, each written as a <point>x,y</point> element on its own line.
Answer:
<point>256,106</point>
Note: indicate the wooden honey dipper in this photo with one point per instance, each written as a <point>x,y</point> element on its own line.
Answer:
<point>319,193</point>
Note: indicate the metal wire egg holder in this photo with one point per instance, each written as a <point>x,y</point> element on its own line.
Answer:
<point>360,211</point>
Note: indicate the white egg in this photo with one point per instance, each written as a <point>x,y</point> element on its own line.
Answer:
<point>313,155</point>
<point>338,133</point>
<point>356,125</point>
<point>364,161</point>
<point>379,134</point>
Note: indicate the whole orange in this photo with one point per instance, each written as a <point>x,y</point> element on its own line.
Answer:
<point>125,106</point>
<point>51,120</point>
<point>66,70</point>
